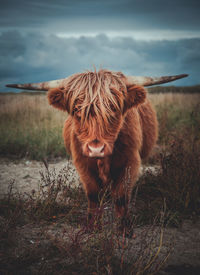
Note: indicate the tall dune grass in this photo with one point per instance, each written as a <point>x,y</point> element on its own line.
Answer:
<point>29,127</point>
<point>177,114</point>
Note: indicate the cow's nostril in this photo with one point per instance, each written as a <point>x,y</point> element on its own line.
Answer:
<point>96,151</point>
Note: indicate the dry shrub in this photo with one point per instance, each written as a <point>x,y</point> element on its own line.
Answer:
<point>176,181</point>
<point>106,251</point>
<point>67,245</point>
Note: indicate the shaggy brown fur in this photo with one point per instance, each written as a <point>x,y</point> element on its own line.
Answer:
<point>109,129</point>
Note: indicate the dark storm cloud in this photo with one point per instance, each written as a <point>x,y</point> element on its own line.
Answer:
<point>90,15</point>
<point>47,39</point>
<point>33,57</point>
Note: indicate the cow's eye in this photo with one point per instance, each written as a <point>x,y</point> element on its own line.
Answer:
<point>77,112</point>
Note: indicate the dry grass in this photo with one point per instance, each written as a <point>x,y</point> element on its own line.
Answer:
<point>180,100</point>
<point>47,233</point>
<point>29,127</point>
<point>53,236</point>
<point>177,114</point>
<point>33,108</point>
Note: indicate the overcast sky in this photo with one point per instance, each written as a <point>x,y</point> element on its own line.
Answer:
<point>49,39</point>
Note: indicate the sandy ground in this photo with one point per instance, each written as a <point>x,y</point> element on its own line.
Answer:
<point>26,173</point>
<point>185,258</point>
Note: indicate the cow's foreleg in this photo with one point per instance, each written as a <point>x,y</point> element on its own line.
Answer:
<point>123,183</point>
<point>94,208</point>
<point>93,203</point>
<point>121,198</point>
<point>93,193</point>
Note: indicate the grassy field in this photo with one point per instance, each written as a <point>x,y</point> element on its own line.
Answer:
<point>30,128</point>
<point>52,234</point>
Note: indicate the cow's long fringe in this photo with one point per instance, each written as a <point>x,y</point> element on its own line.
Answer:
<point>99,93</point>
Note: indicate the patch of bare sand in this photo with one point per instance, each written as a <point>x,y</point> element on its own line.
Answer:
<point>26,173</point>
<point>185,257</point>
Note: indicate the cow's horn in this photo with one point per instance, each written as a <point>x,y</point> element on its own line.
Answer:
<point>130,80</point>
<point>42,86</point>
<point>149,81</point>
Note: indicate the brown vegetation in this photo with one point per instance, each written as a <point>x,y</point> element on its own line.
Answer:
<point>47,233</point>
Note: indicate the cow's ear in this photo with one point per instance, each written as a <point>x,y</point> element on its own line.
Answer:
<point>56,98</point>
<point>136,95</point>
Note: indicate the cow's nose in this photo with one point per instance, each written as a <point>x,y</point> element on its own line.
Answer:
<point>97,151</point>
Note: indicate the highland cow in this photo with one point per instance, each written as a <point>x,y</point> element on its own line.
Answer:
<point>111,126</point>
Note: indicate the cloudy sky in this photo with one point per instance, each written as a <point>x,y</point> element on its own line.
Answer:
<point>48,39</point>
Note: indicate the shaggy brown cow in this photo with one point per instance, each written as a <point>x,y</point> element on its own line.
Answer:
<point>111,126</point>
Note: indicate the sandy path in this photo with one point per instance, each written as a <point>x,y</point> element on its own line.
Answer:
<point>26,173</point>
<point>185,259</point>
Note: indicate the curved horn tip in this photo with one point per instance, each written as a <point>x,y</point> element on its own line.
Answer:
<point>41,86</point>
<point>149,81</point>
<point>11,85</point>
<point>185,75</point>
